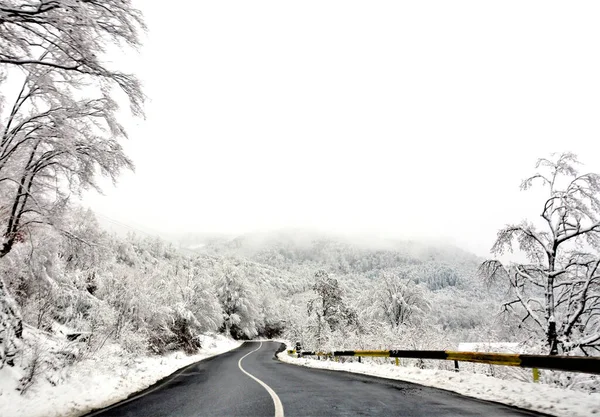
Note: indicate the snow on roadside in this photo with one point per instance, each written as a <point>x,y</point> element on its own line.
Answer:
<point>98,382</point>
<point>527,395</point>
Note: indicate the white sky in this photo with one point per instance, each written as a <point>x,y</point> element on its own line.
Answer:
<point>390,118</point>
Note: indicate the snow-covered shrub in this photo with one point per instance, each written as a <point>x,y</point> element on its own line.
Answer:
<point>101,326</point>
<point>178,332</point>
<point>11,327</point>
<point>185,330</point>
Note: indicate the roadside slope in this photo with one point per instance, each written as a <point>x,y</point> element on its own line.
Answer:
<point>96,382</point>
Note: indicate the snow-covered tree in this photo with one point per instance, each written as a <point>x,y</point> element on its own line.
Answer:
<point>328,307</point>
<point>71,37</point>
<point>194,290</point>
<point>558,290</point>
<point>53,145</point>
<point>60,130</point>
<point>401,300</point>
<point>271,319</point>
<point>239,303</point>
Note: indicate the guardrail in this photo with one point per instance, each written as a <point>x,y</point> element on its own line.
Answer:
<point>584,364</point>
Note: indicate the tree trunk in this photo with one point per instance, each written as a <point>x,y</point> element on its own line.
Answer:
<point>551,335</point>
<point>19,205</point>
<point>11,327</point>
<point>319,331</point>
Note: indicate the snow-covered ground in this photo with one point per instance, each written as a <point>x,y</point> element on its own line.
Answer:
<point>97,382</point>
<point>527,395</point>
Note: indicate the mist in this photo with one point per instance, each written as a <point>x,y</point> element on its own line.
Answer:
<point>414,123</point>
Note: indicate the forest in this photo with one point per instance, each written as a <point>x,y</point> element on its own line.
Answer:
<point>88,289</point>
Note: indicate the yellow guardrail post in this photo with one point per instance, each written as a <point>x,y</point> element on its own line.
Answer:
<point>536,375</point>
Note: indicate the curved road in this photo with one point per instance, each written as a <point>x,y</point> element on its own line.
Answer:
<point>249,381</point>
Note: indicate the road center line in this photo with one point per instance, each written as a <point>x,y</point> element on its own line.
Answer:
<point>276,400</point>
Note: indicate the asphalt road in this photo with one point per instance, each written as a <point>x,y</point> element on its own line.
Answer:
<point>237,383</point>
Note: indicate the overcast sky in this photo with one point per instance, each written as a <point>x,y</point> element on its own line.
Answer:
<point>402,119</point>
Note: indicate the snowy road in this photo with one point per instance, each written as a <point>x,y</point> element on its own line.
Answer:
<point>248,381</point>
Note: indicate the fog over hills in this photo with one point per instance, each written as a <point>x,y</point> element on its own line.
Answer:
<point>443,294</point>
<point>303,240</point>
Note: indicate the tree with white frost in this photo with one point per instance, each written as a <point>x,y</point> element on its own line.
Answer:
<point>71,37</point>
<point>52,146</point>
<point>239,303</point>
<point>558,289</point>
<point>400,299</point>
<point>61,127</point>
<point>60,130</point>
<point>328,307</point>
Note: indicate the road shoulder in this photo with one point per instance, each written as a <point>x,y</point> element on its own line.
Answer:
<point>527,396</point>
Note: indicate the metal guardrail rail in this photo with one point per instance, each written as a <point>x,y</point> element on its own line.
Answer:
<point>584,364</point>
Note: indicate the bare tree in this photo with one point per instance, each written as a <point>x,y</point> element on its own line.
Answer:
<point>558,290</point>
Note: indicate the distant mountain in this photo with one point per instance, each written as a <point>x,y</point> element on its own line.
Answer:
<point>122,230</point>
<point>184,241</point>
<point>198,240</point>
<point>303,253</point>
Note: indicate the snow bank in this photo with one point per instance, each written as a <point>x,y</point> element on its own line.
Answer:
<point>530,396</point>
<point>97,382</point>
